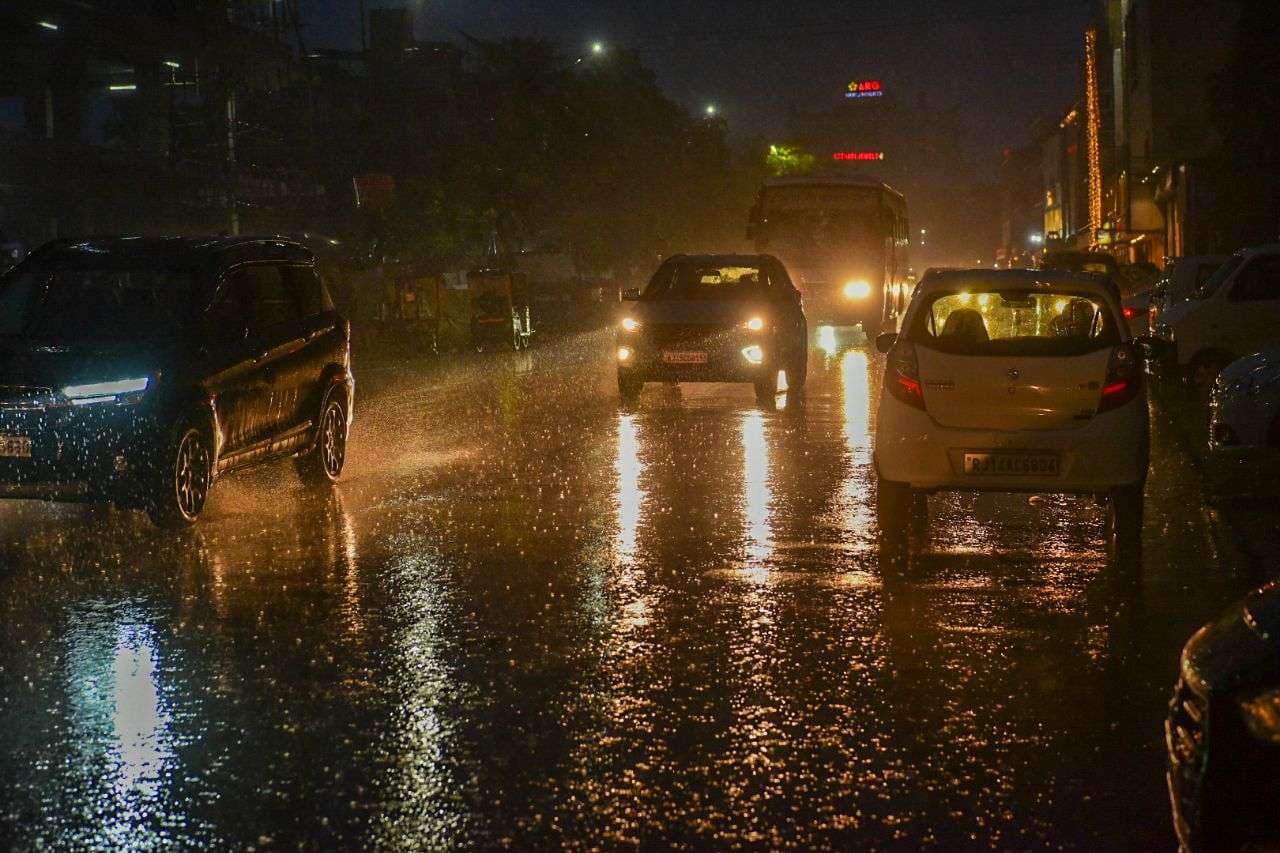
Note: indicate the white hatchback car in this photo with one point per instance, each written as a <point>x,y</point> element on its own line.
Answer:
<point>1017,381</point>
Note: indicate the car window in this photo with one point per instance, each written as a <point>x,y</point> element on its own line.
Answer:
<point>706,281</point>
<point>309,290</point>
<point>1203,273</point>
<point>1015,322</point>
<point>226,316</point>
<point>1215,280</point>
<point>94,301</point>
<point>1260,280</point>
<point>268,298</point>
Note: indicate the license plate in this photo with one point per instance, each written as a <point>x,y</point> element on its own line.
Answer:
<point>684,357</point>
<point>1011,464</point>
<point>15,447</point>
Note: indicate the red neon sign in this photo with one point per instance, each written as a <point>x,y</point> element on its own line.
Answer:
<point>864,89</point>
<point>846,156</point>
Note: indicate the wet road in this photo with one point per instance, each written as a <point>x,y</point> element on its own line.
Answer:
<point>531,617</point>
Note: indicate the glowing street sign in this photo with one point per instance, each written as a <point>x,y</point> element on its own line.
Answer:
<point>863,89</point>
<point>849,156</point>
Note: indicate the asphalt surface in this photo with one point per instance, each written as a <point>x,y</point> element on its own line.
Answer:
<point>532,617</point>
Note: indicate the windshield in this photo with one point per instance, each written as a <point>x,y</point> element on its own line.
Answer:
<point>1221,274</point>
<point>1015,322</point>
<point>699,281</point>
<point>93,302</point>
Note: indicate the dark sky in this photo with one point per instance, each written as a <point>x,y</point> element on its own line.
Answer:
<point>1004,63</point>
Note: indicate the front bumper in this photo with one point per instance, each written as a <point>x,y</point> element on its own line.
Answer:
<point>1110,451</point>
<point>725,361</point>
<point>85,453</point>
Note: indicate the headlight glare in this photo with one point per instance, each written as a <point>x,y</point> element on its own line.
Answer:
<point>105,392</point>
<point>625,353</point>
<point>857,289</point>
<point>753,354</point>
<point>755,324</point>
<point>630,324</point>
<point>1261,712</point>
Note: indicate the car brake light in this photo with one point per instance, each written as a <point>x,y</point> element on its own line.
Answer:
<point>902,375</point>
<point>1130,312</point>
<point>1124,378</point>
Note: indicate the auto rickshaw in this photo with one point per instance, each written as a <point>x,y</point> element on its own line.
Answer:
<point>499,309</point>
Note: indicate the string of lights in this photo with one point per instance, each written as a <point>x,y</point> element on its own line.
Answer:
<point>1093,130</point>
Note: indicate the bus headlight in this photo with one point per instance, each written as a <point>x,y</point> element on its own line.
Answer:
<point>857,289</point>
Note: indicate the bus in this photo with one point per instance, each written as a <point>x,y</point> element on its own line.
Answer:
<point>844,240</point>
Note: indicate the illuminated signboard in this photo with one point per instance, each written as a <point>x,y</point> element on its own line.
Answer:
<point>850,156</point>
<point>863,89</point>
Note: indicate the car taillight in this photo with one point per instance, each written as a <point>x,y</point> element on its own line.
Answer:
<point>902,375</point>
<point>1130,312</point>
<point>1124,378</point>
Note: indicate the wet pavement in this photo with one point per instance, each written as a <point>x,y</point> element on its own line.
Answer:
<point>532,617</point>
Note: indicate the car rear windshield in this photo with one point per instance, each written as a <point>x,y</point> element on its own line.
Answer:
<point>94,302</point>
<point>705,281</point>
<point>1015,322</point>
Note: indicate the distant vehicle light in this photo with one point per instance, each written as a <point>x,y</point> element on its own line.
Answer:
<point>755,324</point>
<point>48,25</point>
<point>859,289</point>
<point>630,324</point>
<point>827,340</point>
<point>753,354</point>
<point>625,353</point>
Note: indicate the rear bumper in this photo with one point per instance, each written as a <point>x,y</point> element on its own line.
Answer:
<point>1111,451</point>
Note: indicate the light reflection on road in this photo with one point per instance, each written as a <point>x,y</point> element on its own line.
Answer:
<point>757,496</point>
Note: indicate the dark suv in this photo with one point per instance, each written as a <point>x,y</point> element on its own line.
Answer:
<point>715,318</point>
<point>136,370</point>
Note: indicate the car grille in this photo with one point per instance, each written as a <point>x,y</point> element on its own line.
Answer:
<point>686,333</point>
<point>1186,731</point>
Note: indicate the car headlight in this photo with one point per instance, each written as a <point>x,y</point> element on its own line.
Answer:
<point>1261,713</point>
<point>755,324</point>
<point>625,353</point>
<point>753,354</point>
<point>106,392</point>
<point>630,324</point>
<point>859,289</point>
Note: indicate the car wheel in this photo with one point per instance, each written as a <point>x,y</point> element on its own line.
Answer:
<point>1124,527</point>
<point>767,386</point>
<point>181,482</point>
<point>323,465</point>
<point>893,511</point>
<point>629,387</point>
<point>798,374</point>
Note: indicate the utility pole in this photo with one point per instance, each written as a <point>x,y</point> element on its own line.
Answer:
<point>364,36</point>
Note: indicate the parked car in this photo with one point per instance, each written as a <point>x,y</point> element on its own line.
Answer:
<point>715,318</point>
<point>1182,277</point>
<point>1012,381</point>
<point>1223,731</point>
<point>137,371</point>
<point>1235,312</point>
<point>1244,404</point>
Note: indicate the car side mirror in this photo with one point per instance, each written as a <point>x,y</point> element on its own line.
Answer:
<point>886,340</point>
<point>631,294</point>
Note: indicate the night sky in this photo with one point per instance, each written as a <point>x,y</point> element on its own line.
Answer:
<point>1004,63</point>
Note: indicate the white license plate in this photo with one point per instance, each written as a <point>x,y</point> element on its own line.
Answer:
<point>684,357</point>
<point>15,447</point>
<point>1011,464</point>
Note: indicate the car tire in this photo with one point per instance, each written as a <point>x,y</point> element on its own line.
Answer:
<point>629,387</point>
<point>1124,526</point>
<point>323,464</point>
<point>893,511</point>
<point>180,483</point>
<point>798,374</point>
<point>767,387</point>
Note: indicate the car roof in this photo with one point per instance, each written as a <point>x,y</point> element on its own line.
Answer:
<point>185,252</point>
<point>947,280</point>
<point>722,260</point>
